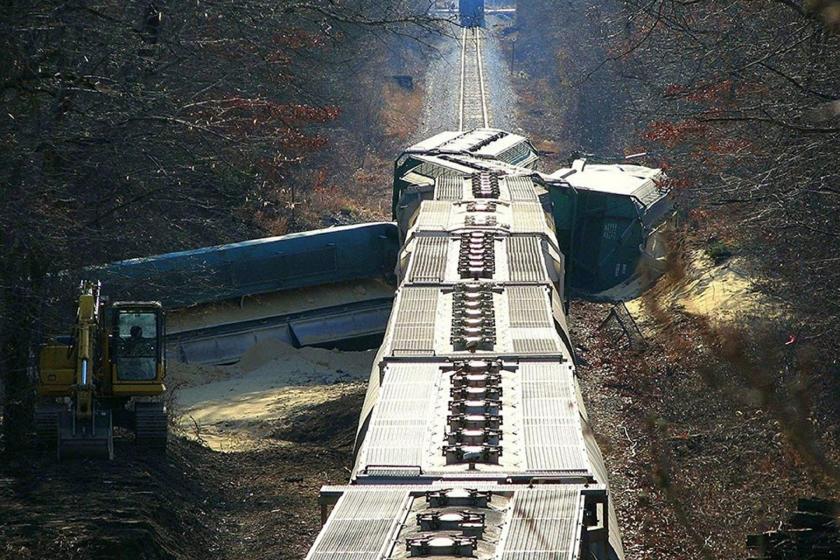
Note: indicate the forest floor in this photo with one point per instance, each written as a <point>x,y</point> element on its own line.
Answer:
<point>251,446</point>
<point>190,503</point>
<point>714,427</point>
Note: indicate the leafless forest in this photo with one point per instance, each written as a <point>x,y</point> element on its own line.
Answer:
<point>135,128</point>
<point>138,128</point>
<point>737,100</point>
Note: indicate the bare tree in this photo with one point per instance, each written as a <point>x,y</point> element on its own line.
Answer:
<point>132,128</point>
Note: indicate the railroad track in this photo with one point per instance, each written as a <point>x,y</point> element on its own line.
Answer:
<point>472,109</point>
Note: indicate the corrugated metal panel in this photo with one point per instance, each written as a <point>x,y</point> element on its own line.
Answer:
<point>480,164</point>
<point>434,214</point>
<point>257,266</point>
<point>433,170</point>
<point>547,380</point>
<point>649,192</point>
<point>528,307</point>
<point>399,426</point>
<point>429,259</point>
<point>528,217</point>
<point>369,404</point>
<point>553,430</point>
<point>414,325</point>
<point>350,322</point>
<point>524,260</point>
<point>360,526</point>
<point>480,138</point>
<point>449,188</point>
<point>370,504</point>
<point>534,345</point>
<point>516,154</point>
<point>393,472</point>
<point>545,525</point>
<point>554,445</point>
<point>521,189</point>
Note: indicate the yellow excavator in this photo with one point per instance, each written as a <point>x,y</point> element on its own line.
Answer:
<point>110,372</point>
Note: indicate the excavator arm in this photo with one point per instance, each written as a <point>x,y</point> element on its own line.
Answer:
<point>87,320</point>
<point>85,428</point>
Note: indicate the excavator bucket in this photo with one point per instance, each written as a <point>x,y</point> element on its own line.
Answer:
<point>93,437</point>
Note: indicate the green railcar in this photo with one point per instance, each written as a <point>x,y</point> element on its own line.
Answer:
<point>605,216</point>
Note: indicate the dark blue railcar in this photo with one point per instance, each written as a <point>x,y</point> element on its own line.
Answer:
<point>472,13</point>
<point>257,266</point>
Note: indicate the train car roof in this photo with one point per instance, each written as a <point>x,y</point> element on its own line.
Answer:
<point>386,522</point>
<point>640,182</point>
<point>483,143</point>
<point>255,266</point>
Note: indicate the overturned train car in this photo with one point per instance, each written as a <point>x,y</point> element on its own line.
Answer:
<point>473,439</point>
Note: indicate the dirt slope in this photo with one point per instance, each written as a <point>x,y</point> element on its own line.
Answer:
<point>698,458</point>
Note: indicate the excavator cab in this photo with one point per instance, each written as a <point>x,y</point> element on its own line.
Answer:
<point>136,348</point>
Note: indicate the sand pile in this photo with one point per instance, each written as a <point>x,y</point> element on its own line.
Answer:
<point>235,407</point>
<point>304,366</point>
<point>180,375</point>
<point>724,293</point>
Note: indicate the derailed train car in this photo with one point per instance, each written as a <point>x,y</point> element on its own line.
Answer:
<point>473,439</point>
<point>331,287</point>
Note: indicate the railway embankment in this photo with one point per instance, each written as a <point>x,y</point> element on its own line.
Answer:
<point>716,426</point>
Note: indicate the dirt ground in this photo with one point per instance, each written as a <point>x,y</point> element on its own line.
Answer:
<point>250,447</point>
<point>712,430</point>
<point>186,505</point>
<point>239,407</point>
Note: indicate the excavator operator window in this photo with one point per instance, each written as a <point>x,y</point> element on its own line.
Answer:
<point>136,346</point>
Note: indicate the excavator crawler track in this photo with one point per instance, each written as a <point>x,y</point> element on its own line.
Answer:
<point>151,425</point>
<point>46,425</point>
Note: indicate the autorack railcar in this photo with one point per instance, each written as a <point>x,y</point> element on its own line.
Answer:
<point>473,439</point>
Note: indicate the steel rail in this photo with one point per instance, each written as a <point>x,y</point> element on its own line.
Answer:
<point>463,64</point>
<point>472,109</point>
<point>480,63</point>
